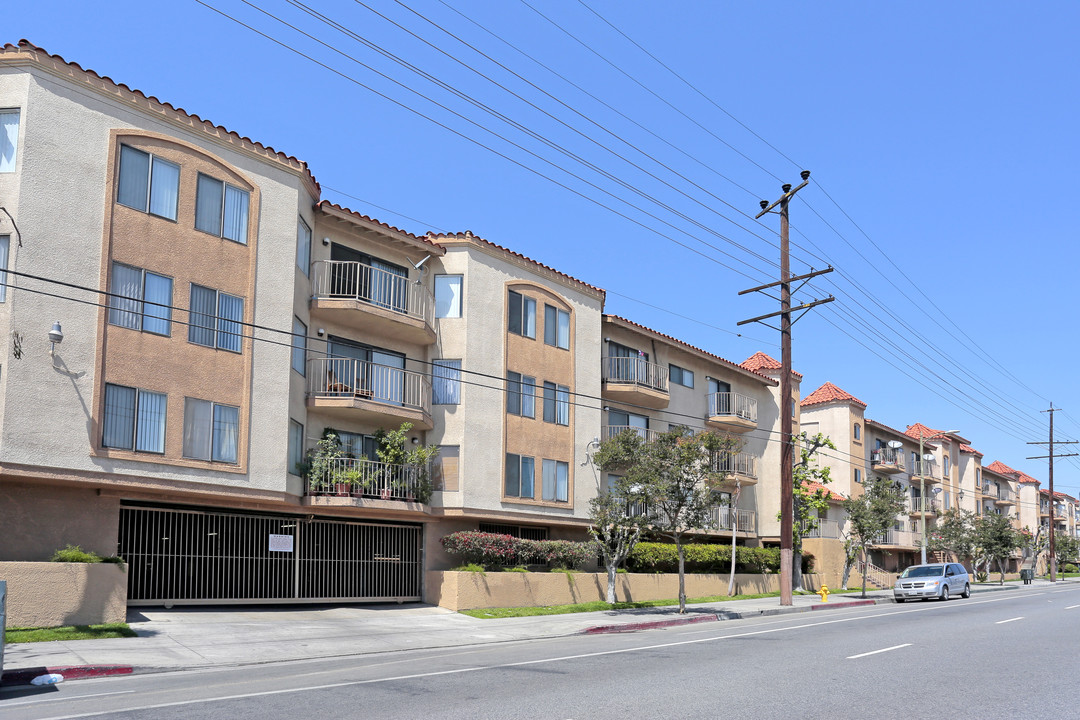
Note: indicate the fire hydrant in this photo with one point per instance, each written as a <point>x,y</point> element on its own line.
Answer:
<point>824,593</point>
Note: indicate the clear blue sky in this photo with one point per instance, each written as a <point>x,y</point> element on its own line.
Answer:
<point>944,133</point>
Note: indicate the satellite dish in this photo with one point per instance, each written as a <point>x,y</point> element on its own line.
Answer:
<point>895,444</point>
<point>928,457</point>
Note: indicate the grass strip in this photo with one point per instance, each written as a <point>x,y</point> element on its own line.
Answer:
<point>68,632</point>
<point>599,605</point>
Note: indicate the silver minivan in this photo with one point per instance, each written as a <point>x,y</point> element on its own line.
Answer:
<point>937,580</point>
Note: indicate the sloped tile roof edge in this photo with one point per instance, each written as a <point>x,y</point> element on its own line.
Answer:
<point>827,393</point>
<point>25,47</point>
<point>354,216</point>
<point>764,379</point>
<point>760,360</point>
<point>468,237</point>
<point>898,433</point>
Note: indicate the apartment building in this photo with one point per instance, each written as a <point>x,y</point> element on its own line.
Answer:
<point>652,382</point>
<point>232,320</point>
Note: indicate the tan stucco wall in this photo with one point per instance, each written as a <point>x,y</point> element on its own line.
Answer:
<point>465,591</point>
<point>46,594</point>
<point>37,520</point>
<point>828,559</point>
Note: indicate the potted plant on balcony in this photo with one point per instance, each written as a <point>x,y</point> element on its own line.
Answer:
<point>397,460</point>
<point>322,461</point>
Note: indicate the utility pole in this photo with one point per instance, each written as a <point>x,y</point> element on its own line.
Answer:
<point>1051,456</point>
<point>787,457</point>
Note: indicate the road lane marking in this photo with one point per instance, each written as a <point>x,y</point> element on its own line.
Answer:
<point>1002,622</point>
<point>1072,607</point>
<point>38,701</point>
<point>455,671</point>
<point>875,652</point>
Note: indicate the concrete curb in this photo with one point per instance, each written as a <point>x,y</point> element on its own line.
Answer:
<point>23,676</point>
<point>730,615</point>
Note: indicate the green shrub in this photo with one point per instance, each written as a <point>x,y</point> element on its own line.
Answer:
<point>75,554</point>
<point>469,567</point>
<point>1068,567</point>
<point>494,550</point>
<point>518,569</point>
<point>663,557</point>
<point>564,553</point>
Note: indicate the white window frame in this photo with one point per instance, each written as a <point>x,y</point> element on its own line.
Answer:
<point>140,313</point>
<point>212,419</point>
<point>223,200</point>
<point>299,346</point>
<point>453,305</point>
<point>153,162</point>
<point>9,141</point>
<point>559,332</point>
<point>450,378</point>
<point>303,245</point>
<point>136,410</point>
<point>520,464</point>
<point>218,321</point>
<point>678,375</point>
<point>552,491</point>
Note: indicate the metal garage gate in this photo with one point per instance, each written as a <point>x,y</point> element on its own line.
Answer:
<point>192,557</point>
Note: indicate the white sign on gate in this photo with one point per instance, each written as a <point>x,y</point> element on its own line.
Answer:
<point>281,543</point>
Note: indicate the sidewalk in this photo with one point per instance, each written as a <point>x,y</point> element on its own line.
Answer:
<point>198,637</point>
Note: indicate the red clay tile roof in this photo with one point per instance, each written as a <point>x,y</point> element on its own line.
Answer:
<point>760,361</point>
<point>968,449</point>
<point>830,495</point>
<point>1001,468</point>
<point>25,46</point>
<point>927,433</point>
<point>1059,495</point>
<point>467,235</point>
<point>828,393</point>
<point>324,205</point>
<point>883,426</point>
<point>766,378</point>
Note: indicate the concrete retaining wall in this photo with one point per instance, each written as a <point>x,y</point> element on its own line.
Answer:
<point>466,590</point>
<point>49,594</point>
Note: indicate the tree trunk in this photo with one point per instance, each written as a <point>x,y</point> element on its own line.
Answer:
<point>611,583</point>
<point>682,578</point>
<point>865,568</point>
<point>734,527</point>
<point>848,562</point>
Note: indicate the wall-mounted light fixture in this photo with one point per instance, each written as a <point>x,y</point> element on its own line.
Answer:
<point>320,332</point>
<point>326,241</point>
<point>56,335</point>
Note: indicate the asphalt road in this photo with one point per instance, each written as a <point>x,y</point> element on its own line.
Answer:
<point>996,655</point>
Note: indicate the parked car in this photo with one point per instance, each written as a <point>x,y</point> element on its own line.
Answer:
<point>939,580</point>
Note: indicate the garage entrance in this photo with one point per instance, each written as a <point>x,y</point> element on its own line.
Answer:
<point>204,557</point>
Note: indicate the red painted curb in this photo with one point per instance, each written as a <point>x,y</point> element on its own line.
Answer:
<point>634,627</point>
<point>70,672</point>
<point>849,603</point>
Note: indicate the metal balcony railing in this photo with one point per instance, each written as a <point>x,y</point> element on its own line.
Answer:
<point>923,468</point>
<point>363,478</point>
<point>350,280</point>
<point>736,464</point>
<point>610,431</point>
<point>903,538</point>
<point>916,504</point>
<point>635,371</point>
<point>365,380</point>
<point>888,456</point>
<point>745,521</point>
<point>825,529</point>
<point>731,404</point>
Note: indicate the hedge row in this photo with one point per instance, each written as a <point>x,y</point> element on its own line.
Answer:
<point>492,550</point>
<point>663,557</point>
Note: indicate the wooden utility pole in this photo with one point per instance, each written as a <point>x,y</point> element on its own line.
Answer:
<point>787,456</point>
<point>1051,456</point>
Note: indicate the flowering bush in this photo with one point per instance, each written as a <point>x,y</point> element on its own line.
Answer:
<point>485,548</point>
<point>492,550</point>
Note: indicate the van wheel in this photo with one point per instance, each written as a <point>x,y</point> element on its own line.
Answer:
<point>967,591</point>
<point>945,593</point>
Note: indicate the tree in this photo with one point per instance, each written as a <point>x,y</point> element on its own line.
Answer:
<point>1065,547</point>
<point>392,452</point>
<point>871,514</point>
<point>851,553</point>
<point>807,503</point>
<point>995,539</point>
<point>955,533</point>
<point>677,474</point>
<point>617,524</point>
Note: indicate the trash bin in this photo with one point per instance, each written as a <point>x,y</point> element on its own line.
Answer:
<point>1027,575</point>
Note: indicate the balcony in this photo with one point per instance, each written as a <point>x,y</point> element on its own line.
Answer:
<point>888,461</point>
<point>825,529</point>
<point>915,507</point>
<point>375,301</point>
<point>736,467</point>
<point>898,538</point>
<point>364,391</point>
<point>609,431</point>
<point>367,479</point>
<point>635,381</point>
<point>1004,497</point>
<point>745,520</point>
<point>925,471</point>
<point>732,412</point>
